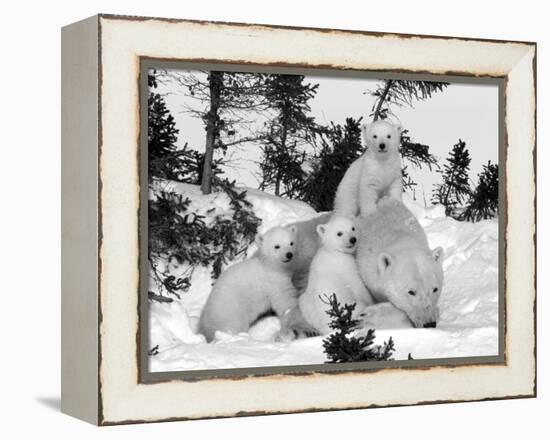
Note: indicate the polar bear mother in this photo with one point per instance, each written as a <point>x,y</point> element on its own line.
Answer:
<point>397,265</point>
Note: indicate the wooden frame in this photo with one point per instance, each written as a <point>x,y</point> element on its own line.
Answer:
<point>101,201</point>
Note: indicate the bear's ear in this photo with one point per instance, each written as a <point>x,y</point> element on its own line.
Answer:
<point>321,229</point>
<point>399,128</point>
<point>384,262</point>
<point>437,254</point>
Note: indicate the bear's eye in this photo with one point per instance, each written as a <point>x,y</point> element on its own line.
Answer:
<point>412,292</point>
<point>339,234</point>
<point>389,136</point>
<point>292,243</point>
<point>375,136</point>
<point>277,246</point>
<point>353,229</point>
<point>435,289</point>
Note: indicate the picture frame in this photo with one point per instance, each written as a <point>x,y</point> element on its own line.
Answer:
<point>104,195</point>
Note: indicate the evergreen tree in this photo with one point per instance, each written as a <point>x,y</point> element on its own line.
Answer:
<point>415,153</point>
<point>483,203</point>
<point>286,134</point>
<point>162,136</point>
<point>341,347</point>
<point>166,160</point>
<point>402,93</point>
<point>227,98</point>
<point>331,163</point>
<point>408,182</point>
<point>455,188</point>
<point>175,231</point>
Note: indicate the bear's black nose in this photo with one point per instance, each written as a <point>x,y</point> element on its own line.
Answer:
<point>382,146</point>
<point>430,324</point>
<point>289,256</point>
<point>352,240</point>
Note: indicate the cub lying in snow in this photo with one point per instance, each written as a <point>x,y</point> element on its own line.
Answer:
<point>397,265</point>
<point>375,174</point>
<point>253,287</point>
<point>333,271</point>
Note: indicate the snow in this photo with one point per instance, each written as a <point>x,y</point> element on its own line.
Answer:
<point>273,210</point>
<point>468,324</point>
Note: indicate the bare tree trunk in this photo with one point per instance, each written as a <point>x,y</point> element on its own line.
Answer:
<point>215,80</point>
<point>278,183</point>
<point>382,99</point>
<point>279,171</point>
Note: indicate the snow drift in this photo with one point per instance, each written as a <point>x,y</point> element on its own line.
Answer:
<point>468,323</point>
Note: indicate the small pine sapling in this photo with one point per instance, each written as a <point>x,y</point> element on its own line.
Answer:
<point>287,134</point>
<point>340,346</point>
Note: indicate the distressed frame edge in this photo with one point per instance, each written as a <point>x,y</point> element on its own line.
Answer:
<point>239,24</point>
<point>102,421</point>
<point>535,202</point>
<point>315,410</point>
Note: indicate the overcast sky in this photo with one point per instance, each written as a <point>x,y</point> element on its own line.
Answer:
<point>465,111</point>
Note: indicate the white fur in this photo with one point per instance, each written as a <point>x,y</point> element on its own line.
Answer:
<point>306,246</point>
<point>333,271</point>
<point>248,289</point>
<point>384,315</point>
<point>396,263</point>
<point>375,174</point>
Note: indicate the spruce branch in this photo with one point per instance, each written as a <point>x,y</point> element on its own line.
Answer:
<point>342,346</point>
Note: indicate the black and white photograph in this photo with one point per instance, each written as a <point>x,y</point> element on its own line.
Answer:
<point>317,218</point>
<point>268,220</point>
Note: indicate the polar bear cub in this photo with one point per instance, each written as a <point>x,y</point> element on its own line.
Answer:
<point>253,287</point>
<point>333,271</point>
<point>375,174</point>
